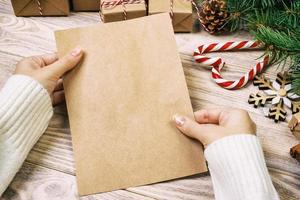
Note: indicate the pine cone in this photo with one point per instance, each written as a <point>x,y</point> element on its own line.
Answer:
<point>213,15</point>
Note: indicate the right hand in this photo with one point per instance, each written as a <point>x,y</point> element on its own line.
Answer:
<point>213,124</point>
<point>48,70</point>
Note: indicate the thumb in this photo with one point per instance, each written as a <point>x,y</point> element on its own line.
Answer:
<point>205,133</point>
<point>66,63</point>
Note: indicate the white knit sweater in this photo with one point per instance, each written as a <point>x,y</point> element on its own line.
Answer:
<point>236,163</point>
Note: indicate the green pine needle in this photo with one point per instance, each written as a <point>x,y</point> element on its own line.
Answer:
<point>276,23</point>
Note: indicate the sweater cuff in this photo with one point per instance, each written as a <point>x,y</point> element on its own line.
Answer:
<point>25,106</point>
<point>238,169</point>
<point>25,111</point>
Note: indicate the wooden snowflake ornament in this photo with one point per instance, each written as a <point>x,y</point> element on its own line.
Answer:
<point>277,94</point>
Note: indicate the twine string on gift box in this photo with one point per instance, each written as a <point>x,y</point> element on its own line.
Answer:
<point>39,5</point>
<point>172,8</point>
<point>193,3</point>
<point>111,4</point>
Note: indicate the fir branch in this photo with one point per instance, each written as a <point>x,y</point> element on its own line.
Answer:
<point>291,15</point>
<point>282,45</point>
<point>276,23</point>
<point>264,3</point>
<point>295,74</point>
<point>237,13</point>
<point>264,18</point>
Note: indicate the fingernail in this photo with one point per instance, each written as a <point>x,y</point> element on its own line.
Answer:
<point>76,52</point>
<point>179,120</point>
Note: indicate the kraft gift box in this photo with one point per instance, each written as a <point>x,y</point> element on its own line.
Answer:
<point>86,5</point>
<point>181,13</point>
<point>122,11</point>
<point>28,8</point>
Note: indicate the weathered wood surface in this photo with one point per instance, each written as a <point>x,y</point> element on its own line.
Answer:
<point>48,172</point>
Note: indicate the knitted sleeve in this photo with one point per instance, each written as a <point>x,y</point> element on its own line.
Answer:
<point>238,169</point>
<point>25,111</point>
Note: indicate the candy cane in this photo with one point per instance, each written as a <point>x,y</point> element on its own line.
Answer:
<point>217,63</point>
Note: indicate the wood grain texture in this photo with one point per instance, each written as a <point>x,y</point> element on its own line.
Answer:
<point>38,183</point>
<point>48,172</point>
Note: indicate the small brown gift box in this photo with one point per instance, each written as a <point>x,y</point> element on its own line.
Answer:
<point>118,10</point>
<point>180,10</point>
<point>294,125</point>
<point>28,8</point>
<point>295,152</point>
<point>86,5</point>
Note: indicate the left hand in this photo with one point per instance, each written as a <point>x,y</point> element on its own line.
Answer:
<point>48,71</point>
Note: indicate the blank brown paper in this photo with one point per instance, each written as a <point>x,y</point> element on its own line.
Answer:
<point>120,102</point>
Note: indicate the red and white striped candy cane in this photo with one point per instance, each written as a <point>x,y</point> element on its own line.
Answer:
<point>217,63</point>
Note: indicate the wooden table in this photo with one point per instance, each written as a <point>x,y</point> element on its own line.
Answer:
<point>48,172</point>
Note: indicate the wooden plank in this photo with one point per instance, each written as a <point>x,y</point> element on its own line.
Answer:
<point>196,187</point>
<point>7,66</point>
<point>22,37</point>
<point>200,187</point>
<point>5,7</point>
<point>27,36</point>
<point>287,184</point>
<point>38,183</point>
<point>276,152</point>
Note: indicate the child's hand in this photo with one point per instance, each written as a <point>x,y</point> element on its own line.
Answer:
<point>48,70</point>
<point>213,124</point>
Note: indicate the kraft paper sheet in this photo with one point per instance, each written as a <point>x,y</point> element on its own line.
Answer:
<point>121,100</point>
